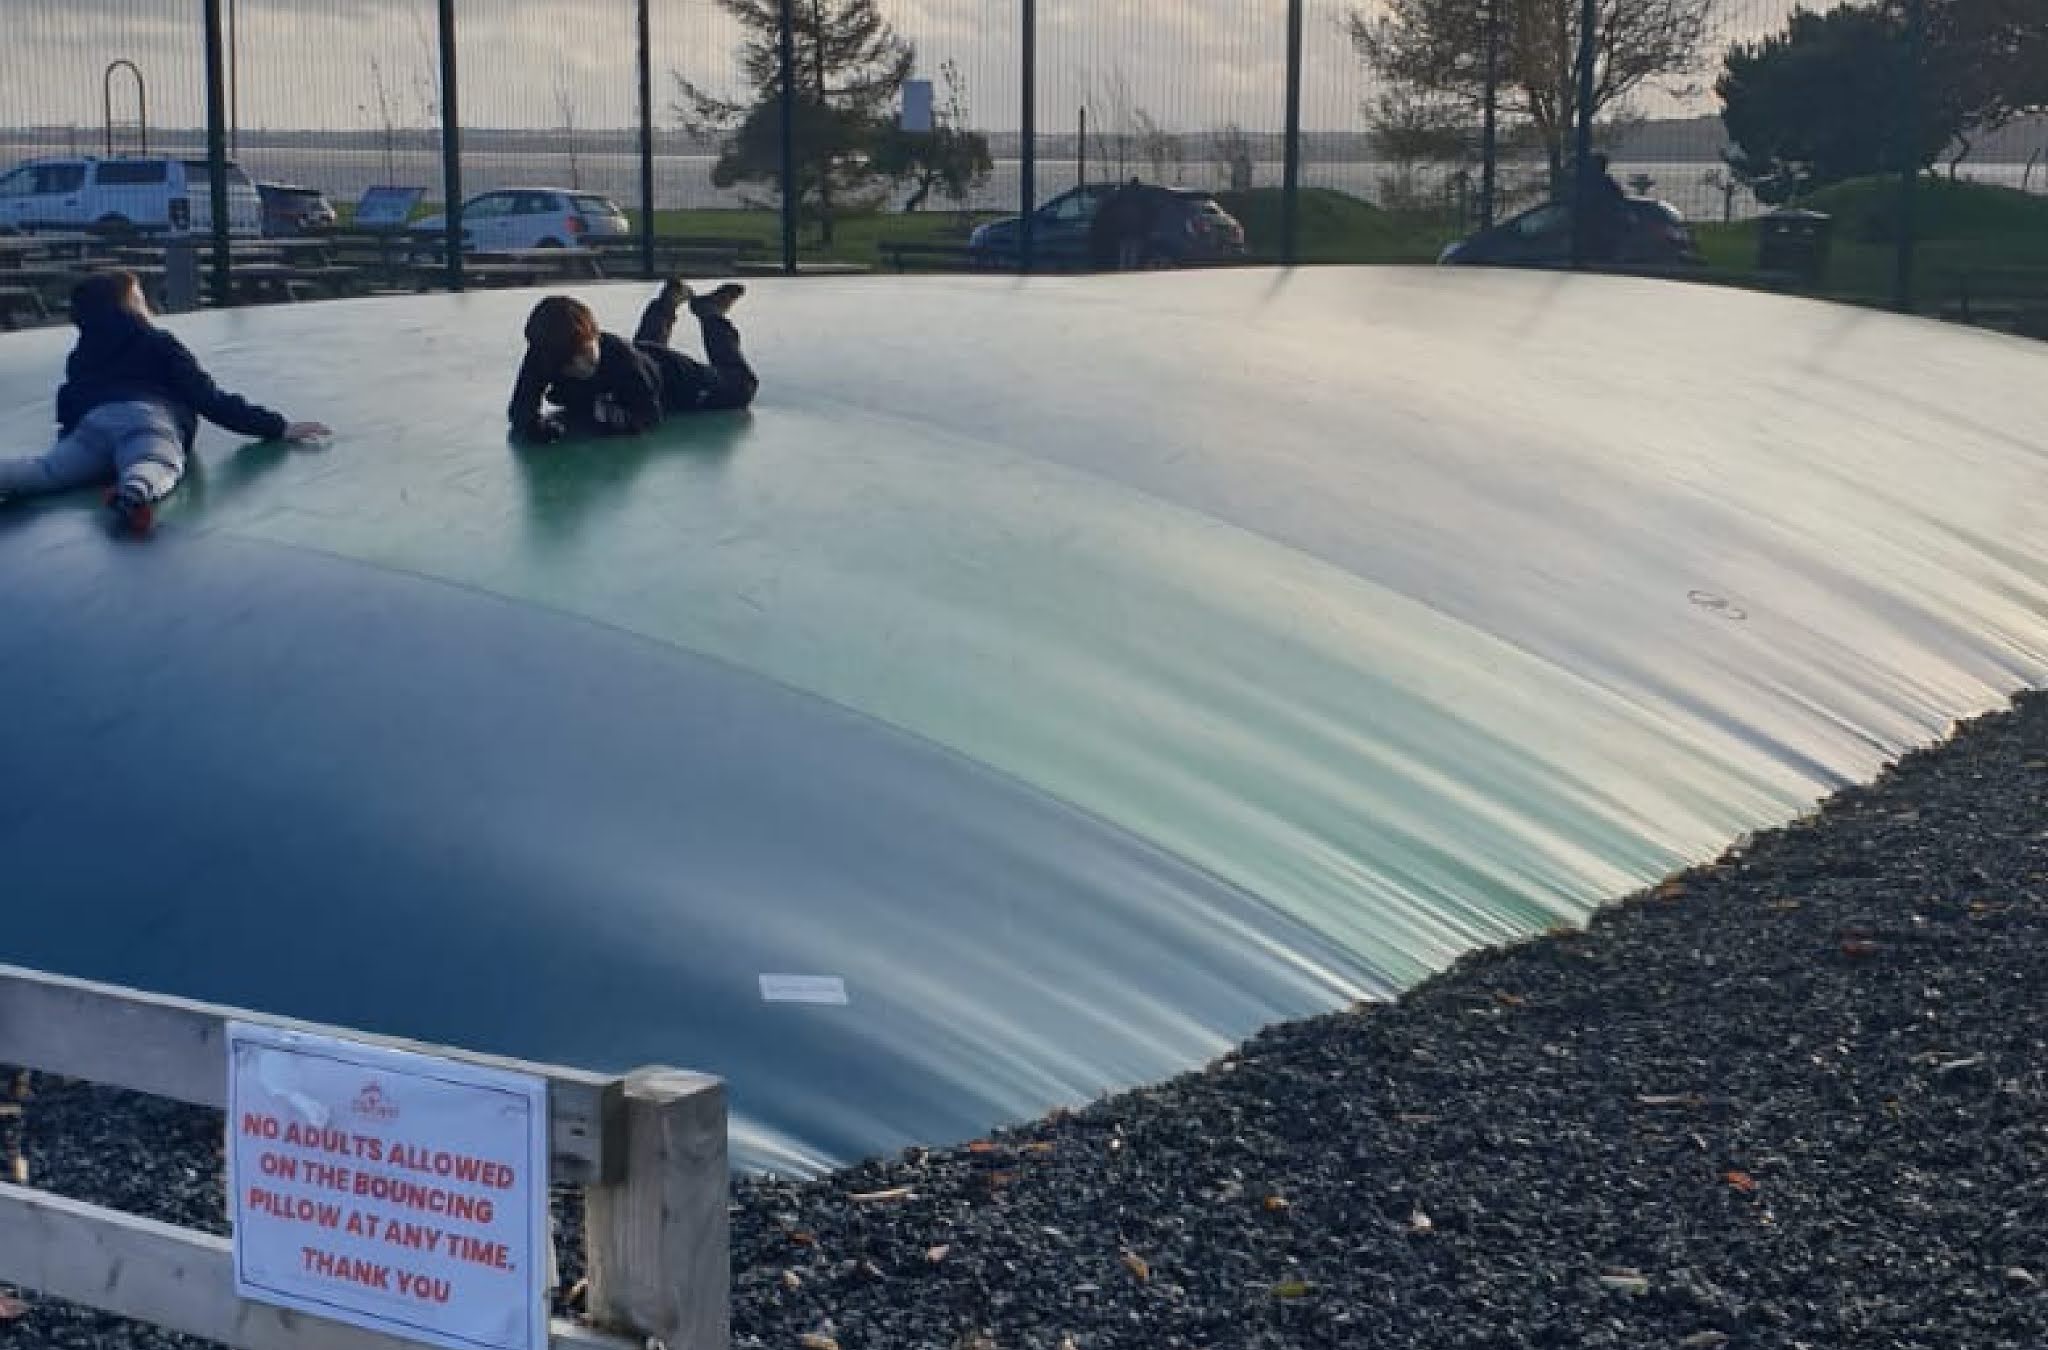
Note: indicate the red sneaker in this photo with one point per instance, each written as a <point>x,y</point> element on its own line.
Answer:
<point>129,514</point>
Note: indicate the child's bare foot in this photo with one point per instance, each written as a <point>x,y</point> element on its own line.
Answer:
<point>720,300</point>
<point>675,292</point>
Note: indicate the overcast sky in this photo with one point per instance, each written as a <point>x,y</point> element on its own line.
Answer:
<point>1192,64</point>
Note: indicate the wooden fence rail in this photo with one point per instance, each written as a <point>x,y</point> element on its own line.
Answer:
<point>649,1150</point>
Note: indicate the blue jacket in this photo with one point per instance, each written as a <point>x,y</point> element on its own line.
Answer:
<point>121,357</point>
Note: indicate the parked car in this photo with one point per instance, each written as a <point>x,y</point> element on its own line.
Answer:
<point>149,193</point>
<point>1188,225</point>
<point>289,210</point>
<point>1653,232</point>
<point>530,218</point>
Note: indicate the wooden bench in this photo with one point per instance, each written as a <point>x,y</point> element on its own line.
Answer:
<point>696,261</point>
<point>259,283</point>
<point>569,264</point>
<point>904,255</point>
<point>2012,298</point>
<point>684,248</point>
<point>506,267</point>
<point>765,268</point>
<point>433,275</point>
<point>19,303</point>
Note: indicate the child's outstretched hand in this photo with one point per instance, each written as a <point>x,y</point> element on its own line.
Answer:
<point>299,433</point>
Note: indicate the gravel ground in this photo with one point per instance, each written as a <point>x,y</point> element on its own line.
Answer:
<point>1794,1098</point>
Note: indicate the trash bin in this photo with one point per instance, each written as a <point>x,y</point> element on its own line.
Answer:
<point>1794,242</point>
<point>181,274</point>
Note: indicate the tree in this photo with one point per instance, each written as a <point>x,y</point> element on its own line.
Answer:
<point>1826,99</point>
<point>386,119</point>
<point>565,107</point>
<point>1160,147</point>
<point>1113,114</point>
<point>949,156</point>
<point>1436,50</point>
<point>1988,60</point>
<point>1410,129</point>
<point>850,65</point>
<point>1231,150</point>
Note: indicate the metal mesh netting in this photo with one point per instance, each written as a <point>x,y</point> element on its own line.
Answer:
<point>908,145</point>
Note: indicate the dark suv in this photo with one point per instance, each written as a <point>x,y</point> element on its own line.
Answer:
<point>1188,226</point>
<point>1653,233</point>
<point>289,210</point>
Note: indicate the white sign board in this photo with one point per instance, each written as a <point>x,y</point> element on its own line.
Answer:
<point>917,105</point>
<point>386,208</point>
<point>395,1191</point>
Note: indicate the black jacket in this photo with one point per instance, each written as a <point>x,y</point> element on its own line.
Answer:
<point>121,357</point>
<point>625,396</point>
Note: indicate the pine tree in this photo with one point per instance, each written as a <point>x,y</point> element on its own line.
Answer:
<point>850,65</point>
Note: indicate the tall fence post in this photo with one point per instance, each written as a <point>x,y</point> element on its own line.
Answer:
<point>646,42</point>
<point>234,80</point>
<point>1290,171</point>
<point>1489,135</point>
<point>1027,156</point>
<point>1909,157</point>
<point>217,156</point>
<point>658,1250</point>
<point>789,188</point>
<point>451,149</point>
<point>1582,175</point>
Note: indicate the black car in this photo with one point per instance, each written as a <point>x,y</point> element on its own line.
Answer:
<point>289,210</point>
<point>1188,226</point>
<point>1653,233</point>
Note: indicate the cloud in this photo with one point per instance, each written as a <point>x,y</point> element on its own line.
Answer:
<point>1191,64</point>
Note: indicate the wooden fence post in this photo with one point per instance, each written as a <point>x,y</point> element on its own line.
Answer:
<point>657,1235</point>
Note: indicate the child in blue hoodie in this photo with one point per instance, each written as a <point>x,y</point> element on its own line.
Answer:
<point>130,406</point>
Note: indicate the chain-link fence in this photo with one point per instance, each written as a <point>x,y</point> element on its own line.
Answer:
<point>1883,151</point>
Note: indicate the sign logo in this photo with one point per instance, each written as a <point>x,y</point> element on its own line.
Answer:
<point>374,1103</point>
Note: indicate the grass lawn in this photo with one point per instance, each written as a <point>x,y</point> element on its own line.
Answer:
<point>1962,228</point>
<point>1965,229</point>
<point>854,237</point>
<point>1335,228</point>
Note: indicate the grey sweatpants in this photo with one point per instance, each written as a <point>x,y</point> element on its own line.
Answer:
<point>135,445</point>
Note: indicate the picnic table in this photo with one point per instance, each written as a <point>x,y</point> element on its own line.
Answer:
<point>19,304</point>
<point>260,281</point>
<point>40,271</point>
<point>386,254</point>
<point>16,247</point>
<point>151,254</point>
<point>276,282</point>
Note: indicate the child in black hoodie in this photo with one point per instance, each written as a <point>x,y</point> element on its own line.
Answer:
<point>130,406</point>
<point>606,386</point>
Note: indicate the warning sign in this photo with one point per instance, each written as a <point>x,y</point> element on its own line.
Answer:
<point>396,1191</point>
